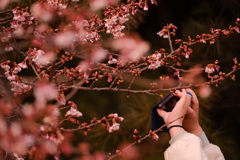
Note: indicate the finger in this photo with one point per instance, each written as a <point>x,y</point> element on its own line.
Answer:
<point>180,106</point>
<point>161,113</point>
<point>190,110</point>
<point>194,100</point>
<point>183,96</point>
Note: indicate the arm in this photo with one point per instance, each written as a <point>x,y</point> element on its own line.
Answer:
<point>183,145</point>
<point>191,124</point>
<point>175,117</point>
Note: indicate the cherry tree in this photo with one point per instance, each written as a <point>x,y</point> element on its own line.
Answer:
<point>61,47</point>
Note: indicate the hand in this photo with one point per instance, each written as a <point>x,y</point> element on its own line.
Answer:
<point>191,120</point>
<point>175,117</point>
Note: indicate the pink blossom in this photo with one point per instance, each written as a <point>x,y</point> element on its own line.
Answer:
<point>28,110</point>
<point>19,31</point>
<point>6,36</point>
<point>73,112</point>
<point>155,60</point>
<point>3,4</point>
<point>52,114</point>
<point>209,70</point>
<point>112,61</point>
<point>98,4</point>
<point>43,93</point>
<point>17,157</point>
<point>92,36</point>
<point>109,79</point>
<point>23,65</point>
<point>8,48</point>
<point>114,127</point>
<point>163,34</point>
<point>98,55</point>
<point>64,39</point>
<point>155,136</point>
<point>204,91</point>
<point>154,65</point>
<point>15,130</point>
<point>5,66</point>
<point>3,126</point>
<point>16,69</point>
<point>83,67</point>
<point>18,86</point>
<point>11,77</point>
<point>42,12</point>
<point>50,147</point>
<point>131,48</point>
<point>145,8</point>
<point>41,58</point>
<point>120,119</point>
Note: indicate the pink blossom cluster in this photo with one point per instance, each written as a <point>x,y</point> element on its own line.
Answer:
<point>115,125</point>
<point>155,60</point>
<point>167,31</point>
<point>14,138</point>
<point>210,68</point>
<point>20,22</point>
<point>21,18</point>
<point>39,57</point>
<point>11,71</point>
<point>114,22</point>
<point>114,25</point>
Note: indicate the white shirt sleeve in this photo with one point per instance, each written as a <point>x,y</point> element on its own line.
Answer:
<point>187,146</point>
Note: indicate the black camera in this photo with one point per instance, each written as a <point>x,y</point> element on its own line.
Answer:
<point>167,104</point>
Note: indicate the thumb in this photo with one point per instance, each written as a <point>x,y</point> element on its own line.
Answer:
<point>161,113</point>
<point>190,110</point>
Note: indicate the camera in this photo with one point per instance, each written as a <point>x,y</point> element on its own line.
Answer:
<point>167,104</point>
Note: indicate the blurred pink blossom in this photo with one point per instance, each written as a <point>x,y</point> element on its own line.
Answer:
<point>98,4</point>
<point>131,153</point>
<point>42,12</point>
<point>52,113</point>
<point>44,92</point>
<point>64,39</point>
<point>98,55</point>
<point>204,91</point>
<point>3,126</point>
<point>4,3</point>
<point>41,58</point>
<point>130,47</point>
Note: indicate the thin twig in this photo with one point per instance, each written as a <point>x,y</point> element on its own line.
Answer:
<point>170,41</point>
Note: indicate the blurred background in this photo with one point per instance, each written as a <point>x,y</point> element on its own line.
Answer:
<point>219,112</point>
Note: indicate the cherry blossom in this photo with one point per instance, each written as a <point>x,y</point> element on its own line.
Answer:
<point>114,127</point>
<point>73,112</point>
<point>66,46</point>
<point>209,69</point>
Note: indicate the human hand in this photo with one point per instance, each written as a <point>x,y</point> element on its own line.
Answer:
<point>191,120</point>
<point>175,117</point>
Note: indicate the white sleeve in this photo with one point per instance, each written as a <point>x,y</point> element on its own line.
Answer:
<point>186,147</point>
<point>212,151</point>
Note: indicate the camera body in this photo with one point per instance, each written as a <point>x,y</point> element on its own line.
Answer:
<point>167,104</point>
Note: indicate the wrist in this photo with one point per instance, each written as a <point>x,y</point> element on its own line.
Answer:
<point>177,122</point>
<point>175,130</point>
<point>197,130</point>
